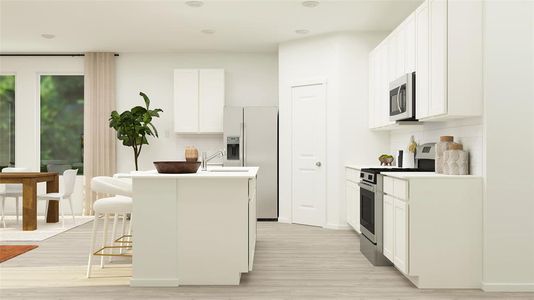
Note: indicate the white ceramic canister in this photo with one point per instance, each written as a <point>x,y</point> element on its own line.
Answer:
<point>455,160</point>
<point>443,145</point>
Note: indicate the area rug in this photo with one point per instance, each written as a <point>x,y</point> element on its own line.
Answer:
<point>10,251</point>
<point>13,231</point>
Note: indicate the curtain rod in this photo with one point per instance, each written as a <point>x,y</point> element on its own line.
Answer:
<point>48,54</point>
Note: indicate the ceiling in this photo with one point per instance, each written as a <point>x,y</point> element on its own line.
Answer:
<point>172,26</point>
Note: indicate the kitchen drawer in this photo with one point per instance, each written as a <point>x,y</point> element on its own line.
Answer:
<point>400,189</point>
<point>352,175</point>
<point>388,185</point>
<point>396,187</point>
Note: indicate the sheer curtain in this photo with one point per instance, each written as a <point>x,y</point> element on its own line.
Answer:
<point>99,140</point>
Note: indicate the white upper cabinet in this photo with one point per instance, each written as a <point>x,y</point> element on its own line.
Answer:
<point>394,57</point>
<point>422,63</point>
<point>379,78</point>
<point>409,44</point>
<point>211,100</point>
<point>438,58</point>
<point>198,100</point>
<point>449,59</point>
<point>442,42</point>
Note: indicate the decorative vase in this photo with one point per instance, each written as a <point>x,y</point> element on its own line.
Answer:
<point>443,145</point>
<point>409,155</point>
<point>455,160</point>
<point>191,154</point>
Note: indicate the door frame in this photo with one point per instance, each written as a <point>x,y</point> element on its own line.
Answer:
<point>300,83</point>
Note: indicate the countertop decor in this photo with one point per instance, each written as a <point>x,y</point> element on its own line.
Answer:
<point>134,125</point>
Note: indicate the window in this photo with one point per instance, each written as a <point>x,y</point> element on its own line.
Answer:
<point>61,122</point>
<point>7,121</point>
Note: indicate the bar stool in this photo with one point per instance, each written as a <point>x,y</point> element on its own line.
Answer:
<point>121,204</point>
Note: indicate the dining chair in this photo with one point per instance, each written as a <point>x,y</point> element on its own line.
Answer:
<point>66,190</point>
<point>118,205</point>
<point>12,191</point>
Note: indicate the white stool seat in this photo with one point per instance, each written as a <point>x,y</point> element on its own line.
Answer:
<point>120,204</point>
<point>113,205</point>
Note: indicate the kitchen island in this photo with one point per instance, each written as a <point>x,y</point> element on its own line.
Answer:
<point>193,229</point>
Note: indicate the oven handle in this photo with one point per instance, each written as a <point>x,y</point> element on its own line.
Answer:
<point>365,186</point>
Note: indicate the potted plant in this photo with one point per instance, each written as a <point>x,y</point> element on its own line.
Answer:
<point>134,125</point>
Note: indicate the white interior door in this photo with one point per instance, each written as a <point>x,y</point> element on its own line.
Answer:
<point>308,158</point>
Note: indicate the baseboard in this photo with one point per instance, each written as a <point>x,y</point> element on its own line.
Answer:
<point>284,220</point>
<point>154,282</point>
<point>338,226</point>
<point>507,287</point>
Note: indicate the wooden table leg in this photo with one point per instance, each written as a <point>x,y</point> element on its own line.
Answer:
<point>52,215</point>
<point>29,204</point>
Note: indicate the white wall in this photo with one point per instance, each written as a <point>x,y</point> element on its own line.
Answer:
<point>341,59</point>
<point>468,132</point>
<point>27,112</point>
<point>251,80</point>
<point>509,138</point>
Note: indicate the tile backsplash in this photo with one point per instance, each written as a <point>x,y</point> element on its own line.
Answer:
<point>468,132</point>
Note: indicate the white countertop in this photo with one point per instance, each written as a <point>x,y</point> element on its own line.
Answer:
<point>359,167</point>
<point>242,172</point>
<point>408,175</point>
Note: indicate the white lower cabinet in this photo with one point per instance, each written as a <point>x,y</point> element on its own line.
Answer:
<point>389,227</point>
<point>395,232</point>
<point>432,229</point>
<point>252,222</point>
<point>400,249</point>
<point>352,196</point>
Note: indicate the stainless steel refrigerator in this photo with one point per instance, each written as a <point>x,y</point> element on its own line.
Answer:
<point>251,139</point>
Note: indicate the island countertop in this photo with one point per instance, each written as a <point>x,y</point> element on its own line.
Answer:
<point>212,172</point>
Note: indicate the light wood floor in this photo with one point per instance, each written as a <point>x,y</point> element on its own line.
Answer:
<point>292,262</point>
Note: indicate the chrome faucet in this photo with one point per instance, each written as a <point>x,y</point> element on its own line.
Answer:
<point>206,158</point>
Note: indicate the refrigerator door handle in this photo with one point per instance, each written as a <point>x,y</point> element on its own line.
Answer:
<point>243,141</point>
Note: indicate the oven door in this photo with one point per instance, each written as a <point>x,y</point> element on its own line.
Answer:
<point>367,211</point>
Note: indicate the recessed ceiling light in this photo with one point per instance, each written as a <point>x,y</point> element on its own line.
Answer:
<point>302,31</point>
<point>310,3</point>
<point>194,3</point>
<point>208,31</point>
<point>48,36</point>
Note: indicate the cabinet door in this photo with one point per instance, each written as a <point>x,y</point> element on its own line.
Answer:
<point>438,57</point>
<point>356,197</point>
<point>422,61</point>
<point>186,101</point>
<point>349,197</point>
<point>252,222</point>
<point>211,100</point>
<point>384,87</point>
<point>400,60</point>
<point>372,88</point>
<point>400,250</point>
<point>389,227</point>
<point>392,53</point>
<point>352,192</point>
<point>409,44</point>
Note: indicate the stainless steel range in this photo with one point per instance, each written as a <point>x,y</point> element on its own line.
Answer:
<point>371,203</point>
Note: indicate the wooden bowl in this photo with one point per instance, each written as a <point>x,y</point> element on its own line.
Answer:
<point>176,167</point>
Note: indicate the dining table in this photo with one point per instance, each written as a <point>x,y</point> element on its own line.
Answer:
<point>29,182</point>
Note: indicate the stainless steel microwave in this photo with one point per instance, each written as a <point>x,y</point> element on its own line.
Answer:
<point>402,98</point>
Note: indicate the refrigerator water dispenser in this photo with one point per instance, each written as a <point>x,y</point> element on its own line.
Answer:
<point>232,148</point>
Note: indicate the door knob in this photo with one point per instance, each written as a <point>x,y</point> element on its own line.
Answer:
<point>318,163</point>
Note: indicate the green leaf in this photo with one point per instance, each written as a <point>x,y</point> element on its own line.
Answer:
<point>145,97</point>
